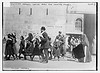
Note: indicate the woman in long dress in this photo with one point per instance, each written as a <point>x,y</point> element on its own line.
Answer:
<point>86,49</point>
<point>9,48</point>
<point>78,52</point>
<point>36,50</point>
<point>4,44</point>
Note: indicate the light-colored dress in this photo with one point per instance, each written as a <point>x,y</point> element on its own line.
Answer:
<point>87,57</point>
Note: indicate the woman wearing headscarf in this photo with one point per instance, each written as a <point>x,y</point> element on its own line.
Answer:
<point>9,48</point>
<point>85,43</point>
<point>78,51</point>
<point>28,46</point>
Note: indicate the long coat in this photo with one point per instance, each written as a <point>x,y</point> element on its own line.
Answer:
<point>9,47</point>
<point>45,41</point>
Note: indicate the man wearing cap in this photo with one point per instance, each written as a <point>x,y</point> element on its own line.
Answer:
<point>44,44</point>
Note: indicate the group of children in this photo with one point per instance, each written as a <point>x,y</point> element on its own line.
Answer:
<point>30,47</point>
<point>27,44</point>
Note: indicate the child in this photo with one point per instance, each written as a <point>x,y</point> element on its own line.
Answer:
<point>56,49</point>
<point>50,49</point>
<point>22,46</point>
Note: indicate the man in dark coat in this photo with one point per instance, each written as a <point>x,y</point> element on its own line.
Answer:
<point>44,44</point>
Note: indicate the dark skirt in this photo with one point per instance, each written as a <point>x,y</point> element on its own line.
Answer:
<point>36,51</point>
<point>29,49</point>
<point>9,48</point>
<point>20,50</point>
<point>78,52</point>
<point>15,49</point>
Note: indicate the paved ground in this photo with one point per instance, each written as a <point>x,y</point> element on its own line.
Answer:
<point>66,63</point>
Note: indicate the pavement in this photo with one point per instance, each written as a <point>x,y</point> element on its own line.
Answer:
<point>64,64</point>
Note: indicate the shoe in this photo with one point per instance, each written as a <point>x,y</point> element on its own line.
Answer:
<point>45,62</point>
<point>19,57</point>
<point>31,59</point>
<point>24,58</point>
<point>50,58</point>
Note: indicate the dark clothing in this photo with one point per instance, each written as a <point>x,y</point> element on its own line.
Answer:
<point>78,51</point>
<point>45,41</point>
<point>29,48</point>
<point>45,45</point>
<point>60,37</point>
<point>22,46</point>
<point>36,50</point>
<point>30,37</point>
<point>46,55</point>
<point>9,47</point>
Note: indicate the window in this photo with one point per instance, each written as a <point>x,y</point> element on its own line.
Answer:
<point>47,11</point>
<point>30,11</point>
<point>19,11</point>
<point>78,24</point>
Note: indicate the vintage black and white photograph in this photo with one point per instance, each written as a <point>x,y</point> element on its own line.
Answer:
<point>53,36</point>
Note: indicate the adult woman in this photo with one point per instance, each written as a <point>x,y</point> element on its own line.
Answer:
<point>36,50</point>
<point>9,48</point>
<point>85,43</point>
<point>28,46</point>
